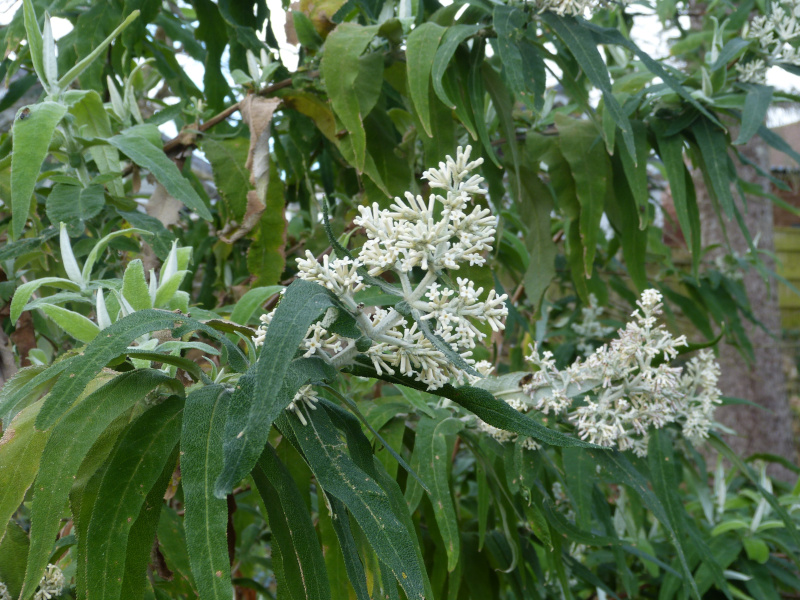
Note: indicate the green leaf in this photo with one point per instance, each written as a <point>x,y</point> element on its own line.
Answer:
<point>20,453</point>
<point>368,502</point>
<point>134,286</point>
<point>290,522</point>
<point>251,414</point>
<point>69,443</point>
<point>421,48</point>
<point>135,465</point>
<point>86,272</point>
<point>670,149</point>
<point>444,54</point>
<point>584,48</point>
<point>583,149</point>
<point>206,518</point>
<point>352,562</point>
<point>777,142</point>
<point>35,42</point>
<point>579,472</point>
<point>343,47</point>
<point>32,131</point>
<point>92,121</point>
<point>636,170</point>
<point>756,549</point>
<point>266,256</point>
<point>97,50</point>
<point>140,150</point>
<point>535,205</point>
<point>74,205</point>
<point>713,146</point>
<point>112,342</point>
<point>503,104</point>
<point>630,216</point>
<point>13,556</point>
<point>610,35</point>
<point>228,158</point>
<point>434,442</point>
<point>488,408</point>
<point>252,300</point>
<point>167,289</point>
<point>476,97</point>
<point>75,324</point>
<point>26,290</point>
<point>756,104</point>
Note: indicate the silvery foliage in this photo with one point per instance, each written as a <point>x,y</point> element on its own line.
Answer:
<point>777,34</point>
<point>628,387</point>
<point>434,237</point>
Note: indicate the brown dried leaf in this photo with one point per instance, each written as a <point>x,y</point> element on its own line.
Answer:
<point>163,207</point>
<point>255,208</point>
<point>257,113</point>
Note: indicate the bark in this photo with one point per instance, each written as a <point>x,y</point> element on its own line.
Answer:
<point>769,427</point>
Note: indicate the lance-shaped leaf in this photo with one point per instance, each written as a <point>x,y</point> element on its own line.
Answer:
<point>713,146</point>
<point>69,444</point>
<point>206,518</point>
<point>434,442</point>
<point>584,48</point>
<point>262,393</point>
<point>26,290</point>
<point>487,407</point>
<point>135,465</point>
<point>35,41</point>
<point>92,121</point>
<point>756,104</point>
<point>303,565</point>
<point>140,150</point>
<point>420,51</point>
<point>112,342</point>
<point>342,49</point>
<point>340,520</point>
<point>32,131</point>
<point>20,452</point>
<point>340,476</point>
<point>101,244</point>
<point>97,50</point>
<point>452,38</point>
<point>75,324</point>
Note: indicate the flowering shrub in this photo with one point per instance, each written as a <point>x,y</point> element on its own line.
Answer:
<point>777,33</point>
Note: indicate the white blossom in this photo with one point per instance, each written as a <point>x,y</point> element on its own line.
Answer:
<point>624,390</point>
<point>4,593</point>
<point>575,8</point>
<point>590,328</point>
<point>777,34</point>
<point>51,584</point>
<point>435,236</point>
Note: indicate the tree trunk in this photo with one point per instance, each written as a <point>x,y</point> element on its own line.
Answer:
<point>767,428</point>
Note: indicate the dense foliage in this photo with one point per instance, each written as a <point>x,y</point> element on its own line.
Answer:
<point>284,354</point>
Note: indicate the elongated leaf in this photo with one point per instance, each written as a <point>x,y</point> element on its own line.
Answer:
<point>582,147</point>
<point>69,444</point>
<point>352,562</point>
<point>111,343</point>
<point>368,502</point>
<point>97,50</point>
<point>26,290</point>
<point>73,205</point>
<point>756,104</point>
<point>20,453</point>
<point>93,121</point>
<point>290,522</point>
<point>86,272</point>
<point>714,150</point>
<point>34,39</point>
<point>135,465</point>
<point>421,49</point>
<point>476,96</point>
<point>75,324</point>
<point>434,441</point>
<point>342,49</point>
<point>251,414</point>
<point>452,39</point>
<point>488,408</point>
<point>609,35</point>
<point>253,299</point>
<point>141,151</point>
<point>631,217</point>
<point>228,158</point>
<point>206,518</point>
<point>32,131</point>
<point>777,142</point>
<point>584,48</point>
<point>143,533</point>
<point>13,555</point>
<point>134,286</point>
<point>670,149</point>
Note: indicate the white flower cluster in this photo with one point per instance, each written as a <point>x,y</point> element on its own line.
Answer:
<point>777,34</point>
<point>590,328</point>
<point>574,8</point>
<point>431,236</point>
<point>632,385</point>
<point>51,585</point>
<point>4,593</point>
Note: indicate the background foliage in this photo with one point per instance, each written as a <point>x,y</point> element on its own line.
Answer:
<point>140,448</point>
